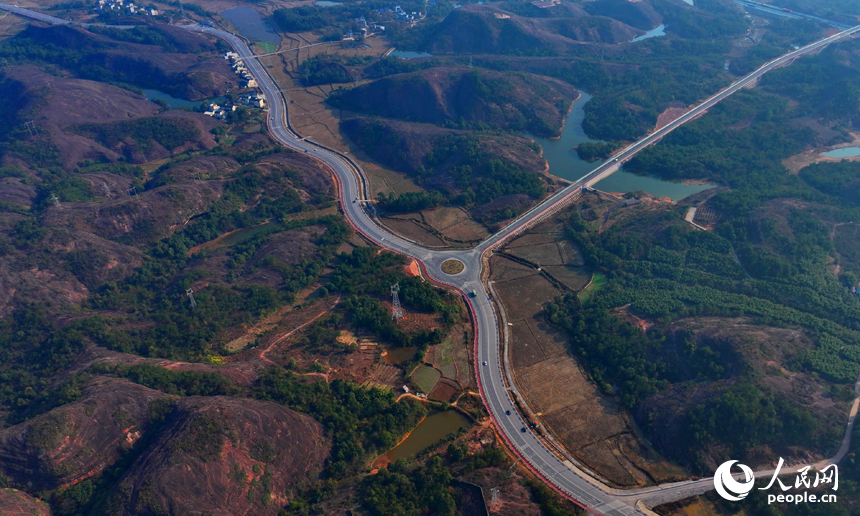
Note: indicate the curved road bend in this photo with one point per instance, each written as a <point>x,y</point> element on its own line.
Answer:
<point>561,474</point>
<point>570,481</point>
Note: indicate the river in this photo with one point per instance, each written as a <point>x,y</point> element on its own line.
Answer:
<point>565,163</point>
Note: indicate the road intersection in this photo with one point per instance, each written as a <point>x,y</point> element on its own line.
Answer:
<point>554,468</point>
<point>493,378</point>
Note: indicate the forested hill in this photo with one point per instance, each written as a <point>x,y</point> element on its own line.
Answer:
<point>465,98</point>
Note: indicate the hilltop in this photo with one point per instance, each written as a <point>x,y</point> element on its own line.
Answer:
<point>161,57</point>
<point>223,455</point>
<point>417,149</point>
<point>489,30</point>
<point>465,97</point>
<point>79,439</point>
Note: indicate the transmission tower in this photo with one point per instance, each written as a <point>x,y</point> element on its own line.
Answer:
<point>494,495</point>
<point>397,312</point>
<point>132,191</point>
<point>190,294</point>
<point>106,188</point>
<point>31,128</point>
<point>55,200</point>
<point>4,64</point>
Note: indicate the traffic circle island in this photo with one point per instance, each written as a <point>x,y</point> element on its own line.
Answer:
<point>452,267</point>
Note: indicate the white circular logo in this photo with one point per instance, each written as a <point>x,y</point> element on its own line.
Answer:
<point>728,487</point>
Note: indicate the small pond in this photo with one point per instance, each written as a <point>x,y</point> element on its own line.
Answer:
<point>406,54</point>
<point>327,3</point>
<point>251,24</point>
<point>435,427</point>
<point>173,102</point>
<point>844,152</point>
<point>400,355</point>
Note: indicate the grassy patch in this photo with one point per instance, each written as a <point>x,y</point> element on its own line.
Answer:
<point>425,377</point>
<point>596,284</point>
<point>452,267</point>
<point>445,351</point>
<point>266,48</point>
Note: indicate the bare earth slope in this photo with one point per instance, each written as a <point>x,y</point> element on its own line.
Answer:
<point>71,441</point>
<point>19,503</point>
<point>223,456</point>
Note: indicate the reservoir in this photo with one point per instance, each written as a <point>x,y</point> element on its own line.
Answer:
<point>563,160</point>
<point>659,30</point>
<point>435,427</point>
<point>844,152</point>
<point>565,163</point>
<point>623,182</point>
<point>327,3</point>
<point>251,25</point>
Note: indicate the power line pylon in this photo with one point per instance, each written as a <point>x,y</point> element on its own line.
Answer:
<point>190,294</point>
<point>397,312</point>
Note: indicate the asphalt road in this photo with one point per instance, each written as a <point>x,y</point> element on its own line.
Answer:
<point>768,9</point>
<point>553,469</point>
<point>558,472</point>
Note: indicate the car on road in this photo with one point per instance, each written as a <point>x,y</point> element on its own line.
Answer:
<point>485,362</point>
<point>523,429</point>
<point>507,412</point>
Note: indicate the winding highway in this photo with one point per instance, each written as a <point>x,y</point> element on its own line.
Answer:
<point>493,378</point>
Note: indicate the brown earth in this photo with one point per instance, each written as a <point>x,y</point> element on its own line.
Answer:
<point>799,161</point>
<point>668,115</point>
<point>412,230</point>
<point>445,390</point>
<point>79,439</point>
<point>19,503</point>
<point>224,456</point>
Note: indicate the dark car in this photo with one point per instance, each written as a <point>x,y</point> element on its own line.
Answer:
<point>507,412</point>
<point>523,429</point>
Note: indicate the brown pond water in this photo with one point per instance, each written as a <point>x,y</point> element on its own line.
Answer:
<point>400,355</point>
<point>435,427</point>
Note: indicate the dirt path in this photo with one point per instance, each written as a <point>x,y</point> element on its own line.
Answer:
<point>294,330</point>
